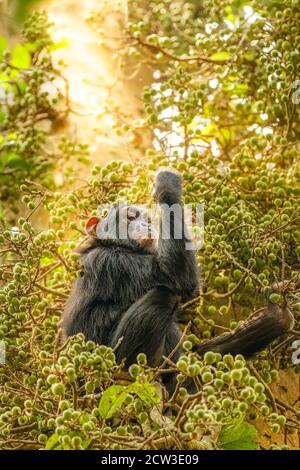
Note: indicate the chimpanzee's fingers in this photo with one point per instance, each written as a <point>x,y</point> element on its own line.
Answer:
<point>168,186</point>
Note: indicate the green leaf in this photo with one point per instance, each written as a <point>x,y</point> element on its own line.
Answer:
<point>240,89</point>
<point>146,392</point>
<point>4,80</point>
<point>31,46</point>
<point>222,55</point>
<point>7,157</point>
<point>3,46</point>
<point>111,400</point>
<point>239,436</point>
<point>209,129</point>
<point>20,57</point>
<point>46,260</point>
<point>13,160</point>
<point>53,443</point>
<point>22,86</point>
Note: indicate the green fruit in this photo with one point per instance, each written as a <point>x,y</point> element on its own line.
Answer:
<point>281,420</point>
<point>265,410</point>
<point>182,365</point>
<point>76,442</point>
<point>193,370</point>
<point>189,427</point>
<point>226,403</point>
<point>142,417</point>
<point>209,357</point>
<point>142,359</point>
<point>275,428</point>
<point>180,378</point>
<point>296,306</point>
<point>187,345</point>
<point>207,377</point>
<point>134,370</point>
<point>58,389</point>
<point>236,375</point>
<point>228,359</point>
<point>211,310</point>
<point>275,298</point>
<point>52,379</point>
<point>259,388</point>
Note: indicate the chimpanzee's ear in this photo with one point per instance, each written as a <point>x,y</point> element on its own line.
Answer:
<point>91,226</point>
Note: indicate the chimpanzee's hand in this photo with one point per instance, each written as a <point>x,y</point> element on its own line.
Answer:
<point>168,187</point>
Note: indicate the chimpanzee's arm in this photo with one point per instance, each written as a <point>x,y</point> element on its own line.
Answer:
<point>177,261</point>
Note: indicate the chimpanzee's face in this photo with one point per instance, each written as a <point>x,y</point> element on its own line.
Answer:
<point>125,222</point>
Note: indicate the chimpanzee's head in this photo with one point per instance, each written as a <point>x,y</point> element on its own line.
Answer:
<point>124,222</point>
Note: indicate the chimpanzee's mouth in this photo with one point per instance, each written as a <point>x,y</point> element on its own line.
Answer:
<point>142,230</point>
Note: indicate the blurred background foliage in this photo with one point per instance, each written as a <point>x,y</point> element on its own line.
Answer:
<point>214,93</point>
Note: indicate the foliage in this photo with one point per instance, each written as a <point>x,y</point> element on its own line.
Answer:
<point>34,101</point>
<point>240,436</point>
<point>222,111</point>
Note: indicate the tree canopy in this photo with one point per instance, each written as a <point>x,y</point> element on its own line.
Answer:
<point>222,107</point>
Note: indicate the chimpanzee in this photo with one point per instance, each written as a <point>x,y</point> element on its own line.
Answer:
<point>132,286</point>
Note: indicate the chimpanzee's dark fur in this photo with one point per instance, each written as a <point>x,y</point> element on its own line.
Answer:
<point>135,292</point>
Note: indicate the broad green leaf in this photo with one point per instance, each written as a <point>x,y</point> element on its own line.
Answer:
<point>209,129</point>
<point>225,135</point>
<point>222,55</point>
<point>22,86</point>
<point>13,160</point>
<point>3,45</point>
<point>111,400</point>
<point>20,57</point>
<point>239,436</point>
<point>46,260</point>
<point>146,392</point>
<point>5,158</point>
<point>4,81</point>
<point>31,46</point>
<point>53,443</point>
